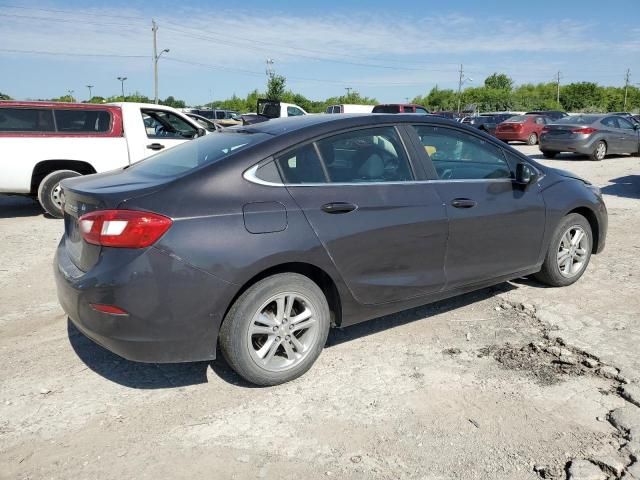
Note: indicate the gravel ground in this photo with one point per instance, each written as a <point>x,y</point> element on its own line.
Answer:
<point>513,382</point>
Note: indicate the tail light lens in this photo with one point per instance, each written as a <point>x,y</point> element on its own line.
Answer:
<point>585,130</point>
<point>123,228</point>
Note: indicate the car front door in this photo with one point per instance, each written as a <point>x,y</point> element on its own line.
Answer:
<point>385,232</point>
<point>495,226</point>
<point>164,129</point>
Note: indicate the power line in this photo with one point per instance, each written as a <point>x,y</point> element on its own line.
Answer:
<point>66,20</point>
<point>71,54</point>
<point>52,10</point>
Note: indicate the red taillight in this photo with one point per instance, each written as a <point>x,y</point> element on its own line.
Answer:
<point>585,130</point>
<point>123,228</point>
<point>110,309</point>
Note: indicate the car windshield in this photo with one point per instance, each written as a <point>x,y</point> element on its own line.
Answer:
<point>196,153</point>
<point>579,119</point>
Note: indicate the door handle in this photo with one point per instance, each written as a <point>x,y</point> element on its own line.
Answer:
<point>463,203</point>
<point>155,146</point>
<point>339,207</point>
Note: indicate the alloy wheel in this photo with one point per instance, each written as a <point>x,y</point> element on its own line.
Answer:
<point>282,332</point>
<point>601,150</point>
<point>573,251</point>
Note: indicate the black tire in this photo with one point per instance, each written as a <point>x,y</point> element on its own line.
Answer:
<point>597,154</point>
<point>549,154</point>
<point>532,139</point>
<point>234,332</point>
<point>550,273</point>
<point>47,189</point>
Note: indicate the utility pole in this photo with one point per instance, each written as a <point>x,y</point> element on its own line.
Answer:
<point>558,88</point>
<point>122,79</point>
<point>627,76</point>
<point>70,92</point>
<point>90,87</point>
<point>156,57</point>
<point>461,80</point>
<point>348,89</point>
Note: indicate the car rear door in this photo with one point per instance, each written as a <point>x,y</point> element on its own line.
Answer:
<point>385,232</point>
<point>628,136</point>
<point>495,226</point>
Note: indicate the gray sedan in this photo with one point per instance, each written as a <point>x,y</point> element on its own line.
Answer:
<point>593,135</point>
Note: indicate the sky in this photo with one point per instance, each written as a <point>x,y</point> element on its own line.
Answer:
<point>389,50</point>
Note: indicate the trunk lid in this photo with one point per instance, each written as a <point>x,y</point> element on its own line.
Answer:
<point>98,192</point>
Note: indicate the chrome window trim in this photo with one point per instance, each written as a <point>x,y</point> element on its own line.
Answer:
<point>250,176</point>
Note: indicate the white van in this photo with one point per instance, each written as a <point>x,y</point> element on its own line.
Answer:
<point>349,108</point>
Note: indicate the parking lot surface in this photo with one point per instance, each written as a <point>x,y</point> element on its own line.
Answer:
<point>517,381</point>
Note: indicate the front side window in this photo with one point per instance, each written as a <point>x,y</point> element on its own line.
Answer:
<point>458,155</point>
<point>294,112</point>
<point>162,124</point>
<point>82,121</point>
<point>26,120</point>
<point>610,122</point>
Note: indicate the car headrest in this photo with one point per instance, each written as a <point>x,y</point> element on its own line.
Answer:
<point>373,167</point>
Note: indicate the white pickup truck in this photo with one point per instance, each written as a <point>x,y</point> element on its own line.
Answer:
<point>268,109</point>
<point>42,143</point>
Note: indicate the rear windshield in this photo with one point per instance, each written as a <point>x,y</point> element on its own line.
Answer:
<point>579,119</point>
<point>517,119</point>
<point>386,109</point>
<point>196,153</point>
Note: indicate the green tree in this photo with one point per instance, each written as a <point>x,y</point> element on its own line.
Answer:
<point>4,96</point>
<point>583,96</point>
<point>499,81</point>
<point>170,101</point>
<point>276,87</point>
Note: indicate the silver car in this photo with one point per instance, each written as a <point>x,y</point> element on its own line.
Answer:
<point>594,135</point>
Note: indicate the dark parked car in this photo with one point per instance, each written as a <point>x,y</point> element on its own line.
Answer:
<point>399,108</point>
<point>522,128</point>
<point>261,238</point>
<point>487,121</point>
<point>552,114</point>
<point>593,135</point>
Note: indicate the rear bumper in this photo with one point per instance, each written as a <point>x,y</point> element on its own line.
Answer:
<point>174,310</point>
<point>551,144</point>
<point>511,136</point>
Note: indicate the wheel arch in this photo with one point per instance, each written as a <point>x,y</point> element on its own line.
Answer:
<point>313,272</point>
<point>591,217</point>
<point>45,167</point>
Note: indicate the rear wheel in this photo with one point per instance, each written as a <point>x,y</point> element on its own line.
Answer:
<point>49,191</point>
<point>276,330</point>
<point>599,151</point>
<point>549,154</point>
<point>532,139</point>
<point>569,252</point>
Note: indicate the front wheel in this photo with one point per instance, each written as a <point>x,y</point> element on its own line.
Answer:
<point>275,331</point>
<point>532,139</point>
<point>569,252</point>
<point>49,191</point>
<point>599,151</point>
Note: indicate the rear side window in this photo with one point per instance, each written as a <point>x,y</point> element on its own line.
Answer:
<point>189,155</point>
<point>26,120</point>
<point>82,121</point>
<point>458,155</point>
<point>302,165</point>
<point>369,155</point>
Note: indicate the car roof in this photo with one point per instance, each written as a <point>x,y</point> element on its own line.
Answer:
<point>48,104</point>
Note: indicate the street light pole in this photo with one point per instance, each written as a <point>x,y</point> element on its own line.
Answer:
<point>156,57</point>
<point>122,79</point>
<point>90,87</point>
<point>70,92</point>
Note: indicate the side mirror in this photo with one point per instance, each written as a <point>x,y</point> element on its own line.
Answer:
<point>201,132</point>
<point>525,174</point>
